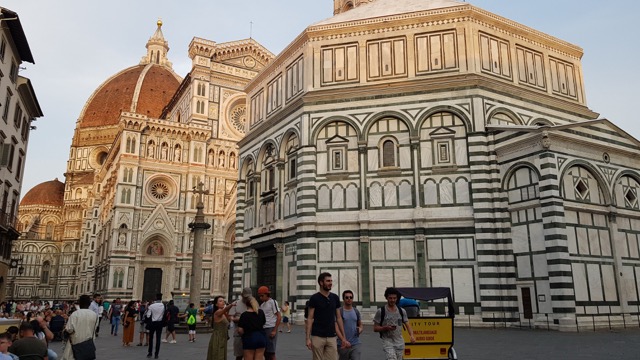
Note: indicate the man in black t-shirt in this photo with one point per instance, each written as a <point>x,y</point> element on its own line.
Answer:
<point>29,347</point>
<point>324,312</point>
<point>171,324</point>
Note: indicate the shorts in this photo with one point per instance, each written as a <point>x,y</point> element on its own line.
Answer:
<point>237,345</point>
<point>285,319</point>
<point>192,327</point>
<point>171,326</point>
<point>143,328</point>
<point>254,340</point>
<point>271,342</point>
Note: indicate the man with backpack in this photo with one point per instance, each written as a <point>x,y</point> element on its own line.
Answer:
<point>389,321</point>
<point>273,318</point>
<point>352,328</point>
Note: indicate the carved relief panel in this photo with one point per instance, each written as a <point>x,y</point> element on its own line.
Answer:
<point>340,64</point>
<point>436,52</point>
<point>386,58</point>
<point>495,56</point>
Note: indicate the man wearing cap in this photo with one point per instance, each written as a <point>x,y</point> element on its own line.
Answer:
<point>273,317</point>
<point>235,313</point>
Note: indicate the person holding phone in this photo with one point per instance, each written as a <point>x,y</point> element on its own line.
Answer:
<point>388,321</point>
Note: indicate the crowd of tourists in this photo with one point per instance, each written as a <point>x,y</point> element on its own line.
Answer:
<point>332,327</point>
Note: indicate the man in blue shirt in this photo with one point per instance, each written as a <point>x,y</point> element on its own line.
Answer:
<point>352,328</point>
<point>324,312</point>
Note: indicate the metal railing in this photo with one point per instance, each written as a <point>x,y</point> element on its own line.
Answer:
<point>7,220</point>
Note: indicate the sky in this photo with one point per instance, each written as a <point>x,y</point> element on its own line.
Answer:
<point>78,44</point>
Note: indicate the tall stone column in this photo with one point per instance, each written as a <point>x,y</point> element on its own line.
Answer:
<point>198,226</point>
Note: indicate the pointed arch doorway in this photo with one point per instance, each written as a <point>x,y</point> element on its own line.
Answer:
<point>152,283</point>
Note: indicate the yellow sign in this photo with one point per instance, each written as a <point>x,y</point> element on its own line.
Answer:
<point>430,330</point>
<point>434,337</point>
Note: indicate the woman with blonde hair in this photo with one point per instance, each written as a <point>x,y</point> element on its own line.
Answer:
<point>250,327</point>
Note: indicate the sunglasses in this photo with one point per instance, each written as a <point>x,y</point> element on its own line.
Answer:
<point>348,297</point>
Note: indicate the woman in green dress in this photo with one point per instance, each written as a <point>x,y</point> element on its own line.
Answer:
<point>220,324</point>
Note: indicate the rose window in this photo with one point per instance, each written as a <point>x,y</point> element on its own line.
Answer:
<point>238,117</point>
<point>159,190</point>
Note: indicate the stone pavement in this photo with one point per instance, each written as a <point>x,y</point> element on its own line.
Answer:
<point>471,344</point>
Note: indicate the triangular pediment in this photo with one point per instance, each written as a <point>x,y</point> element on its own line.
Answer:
<point>602,132</point>
<point>442,131</point>
<point>337,139</point>
<point>245,54</point>
<point>158,222</point>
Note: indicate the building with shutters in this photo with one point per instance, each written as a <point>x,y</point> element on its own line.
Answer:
<point>19,107</point>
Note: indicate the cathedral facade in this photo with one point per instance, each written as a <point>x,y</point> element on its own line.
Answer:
<point>433,143</point>
<point>144,141</point>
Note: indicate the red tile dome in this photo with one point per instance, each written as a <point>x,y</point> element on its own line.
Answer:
<point>143,89</point>
<point>47,193</point>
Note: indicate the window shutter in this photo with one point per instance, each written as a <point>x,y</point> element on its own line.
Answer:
<point>5,151</point>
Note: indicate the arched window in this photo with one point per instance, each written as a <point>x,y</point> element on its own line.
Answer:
<point>197,154</point>
<point>187,280</point>
<point>388,153</point>
<point>131,145</point>
<point>44,276</point>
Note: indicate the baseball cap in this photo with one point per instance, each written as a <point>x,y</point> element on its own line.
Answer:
<point>246,292</point>
<point>263,290</point>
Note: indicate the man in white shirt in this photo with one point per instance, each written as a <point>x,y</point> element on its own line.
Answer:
<point>96,307</point>
<point>155,312</point>
<point>273,317</point>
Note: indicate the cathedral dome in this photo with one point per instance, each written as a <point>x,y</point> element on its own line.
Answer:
<point>143,89</point>
<point>47,193</point>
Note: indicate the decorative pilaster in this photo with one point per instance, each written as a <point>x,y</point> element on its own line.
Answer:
<point>561,286</point>
<point>280,266</point>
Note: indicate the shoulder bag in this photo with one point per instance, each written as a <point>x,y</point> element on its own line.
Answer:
<point>85,350</point>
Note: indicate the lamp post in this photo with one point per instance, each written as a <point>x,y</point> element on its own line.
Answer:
<point>198,226</point>
<point>16,263</point>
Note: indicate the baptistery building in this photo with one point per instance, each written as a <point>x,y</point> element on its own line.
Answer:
<point>145,140</point>
<point>433,143</point>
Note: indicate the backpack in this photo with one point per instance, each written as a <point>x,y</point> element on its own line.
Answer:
<point>357,314</point>
<point>166,316</point>
<point>191,320</point>
<point>383,312</point>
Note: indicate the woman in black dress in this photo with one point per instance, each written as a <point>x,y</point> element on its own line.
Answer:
<point>250,326</point>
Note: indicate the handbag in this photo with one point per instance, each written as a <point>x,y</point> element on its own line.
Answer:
<point>85,350</point>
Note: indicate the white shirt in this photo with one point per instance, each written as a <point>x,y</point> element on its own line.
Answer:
<point>95,308</point>
<point>156,310</point>
<point>270,308</point>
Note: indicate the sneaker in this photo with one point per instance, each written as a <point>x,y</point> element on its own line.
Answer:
<point>172,342</point>
<point>164,340</point>
<point>148,355</point>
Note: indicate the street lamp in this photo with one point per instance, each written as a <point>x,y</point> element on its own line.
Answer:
<point>13,264</point>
